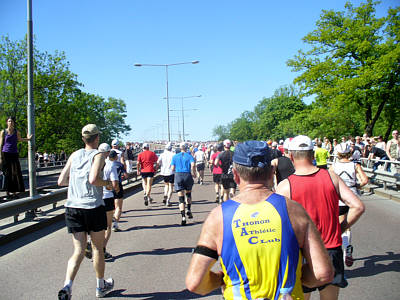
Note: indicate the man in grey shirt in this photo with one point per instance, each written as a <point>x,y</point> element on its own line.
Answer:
<point>84,210</point>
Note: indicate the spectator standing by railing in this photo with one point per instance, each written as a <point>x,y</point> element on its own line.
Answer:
<point>9,161</point>
<point>381,154</point>
<point>392,147</point>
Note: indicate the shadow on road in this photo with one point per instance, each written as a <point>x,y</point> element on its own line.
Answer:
<point>158,251</point>
<point>372,267</point>
<point>25,240</point>
<point>184,294</point>
<point>160,226</point>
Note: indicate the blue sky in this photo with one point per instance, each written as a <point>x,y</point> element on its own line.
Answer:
<point>242,47</point>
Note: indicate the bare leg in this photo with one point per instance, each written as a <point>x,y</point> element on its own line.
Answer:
<point>148,186</point>
<point>144,185</point>
<point>79,240</point>
<point>226,194</point>
<point>307,296</point>
<point>181,205</point>
<point>170,189</point>
<point>331,292</point>
<point>118,209</point>
<point>108,231</point>
<point>98,253</point>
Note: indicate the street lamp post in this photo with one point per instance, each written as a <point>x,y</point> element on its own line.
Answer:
<point>183,110</point>
<point>166,73</point>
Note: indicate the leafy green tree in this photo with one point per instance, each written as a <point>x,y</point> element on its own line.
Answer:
<point>273,111</point>
<point>352,66</point>
<point>221,132</point>
<point>61,108</point>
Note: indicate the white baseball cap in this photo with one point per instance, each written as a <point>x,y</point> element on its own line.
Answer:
<point>301,142</point>
<point>104,147</point>
<point>343,148</point>
<point>227,143</point>
<point>114,142</point>
<point>286,143</point>
<point>145,145</point>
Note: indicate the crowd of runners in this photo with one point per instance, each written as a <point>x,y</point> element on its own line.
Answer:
<point>270,247</point>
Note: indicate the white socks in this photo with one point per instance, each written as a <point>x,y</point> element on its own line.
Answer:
<point>100,282</point>
<point>68,283</point>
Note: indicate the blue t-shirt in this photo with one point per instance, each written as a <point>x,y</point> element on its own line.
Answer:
<point>182,162</point>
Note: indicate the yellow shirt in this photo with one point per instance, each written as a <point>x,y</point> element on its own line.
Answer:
<point>321,156</point>
<point>260,255</point>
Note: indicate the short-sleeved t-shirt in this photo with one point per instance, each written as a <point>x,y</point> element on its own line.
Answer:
<point>147,159</point>
<point>110,172</point>
<point>321,156</point>
<point>378,152</point>
<point>199,157</point>
<point>182,162</point>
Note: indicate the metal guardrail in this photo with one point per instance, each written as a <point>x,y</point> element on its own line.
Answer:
<point>19,206</point>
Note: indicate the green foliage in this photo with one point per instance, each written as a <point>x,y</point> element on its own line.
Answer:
<point>352,66</point>
<point>61,108</point>
<point>352,70</point>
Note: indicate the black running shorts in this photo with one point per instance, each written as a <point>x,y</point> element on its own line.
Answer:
<point>147,174</point>
<point>228,182</point>
<point>120,194</point>
<point>183,181</point>
<point>169,178</point>
<point>200,167</point>
<point>110,204</point>
<point>343,210</point>
<point>217,178</point>
<point>86,220</point>
<point>336,255</point>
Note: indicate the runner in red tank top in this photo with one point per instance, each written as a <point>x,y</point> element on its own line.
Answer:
<point>319,192</point>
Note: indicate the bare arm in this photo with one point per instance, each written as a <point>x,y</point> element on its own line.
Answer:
<point>362,177</point>
<point>200,279</point>
<point>387,148</point>
<point>115,185</point>
<point>20,139</point>
<point>356,207</point>
<point>63,180</point>
<point>283,188</point>
<point>95,172</point>
<point>193,167</point>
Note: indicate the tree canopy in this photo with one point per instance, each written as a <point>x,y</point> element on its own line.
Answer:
<point>61,107</point>
<point>352,70</point>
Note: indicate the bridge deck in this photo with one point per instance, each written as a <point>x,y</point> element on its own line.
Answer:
<point>152,252</point>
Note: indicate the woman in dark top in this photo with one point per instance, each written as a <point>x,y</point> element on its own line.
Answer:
<point>9,138</point>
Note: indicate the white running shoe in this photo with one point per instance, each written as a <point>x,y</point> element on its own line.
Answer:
<point>108,286</point>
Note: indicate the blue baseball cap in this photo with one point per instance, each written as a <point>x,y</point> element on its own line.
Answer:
<point>252,154</point>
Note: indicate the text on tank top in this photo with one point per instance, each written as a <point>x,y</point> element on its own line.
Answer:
<point>259,235</point>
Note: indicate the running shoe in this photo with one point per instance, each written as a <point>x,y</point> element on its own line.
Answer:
<point>189,214</point>
<point>115,227</point>
<point>150,199</point>
<point>64,293</point>
<point>183,222</point>
<point>146,201</point>
<point>108,286</point>
<point>107,255</point>
<point>348,260</point>
<point>216,199</point>
<point>88,250</point>
<point>165,200</point>
<point>169,202</point>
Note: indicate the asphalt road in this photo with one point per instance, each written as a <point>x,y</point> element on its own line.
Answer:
<point>152,252</point>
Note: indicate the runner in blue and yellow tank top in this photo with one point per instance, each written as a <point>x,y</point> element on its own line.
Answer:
<point>261,238</point>
<point>250,230</point>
